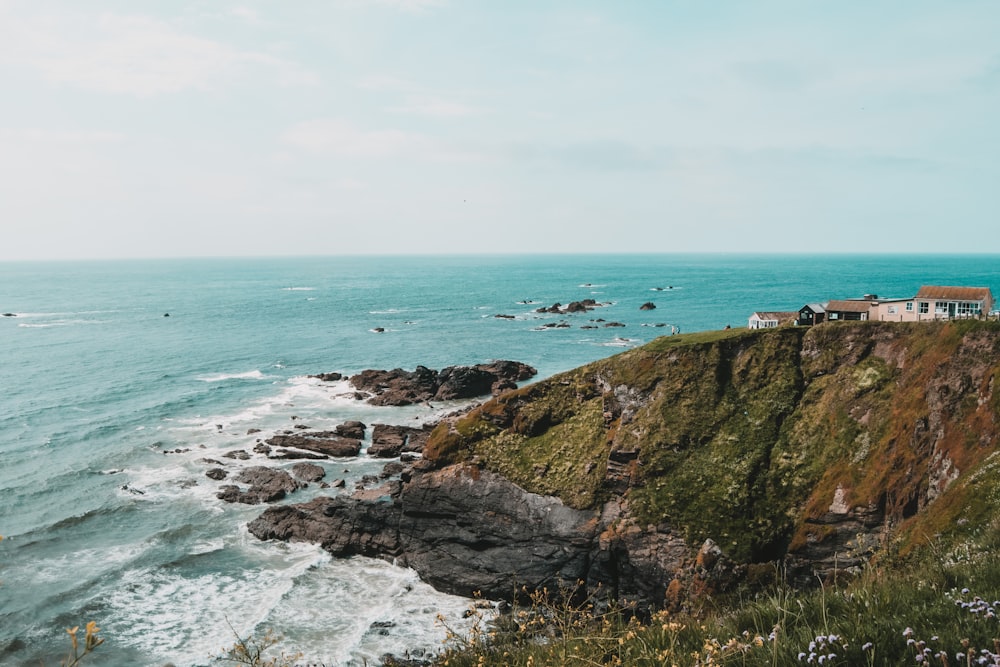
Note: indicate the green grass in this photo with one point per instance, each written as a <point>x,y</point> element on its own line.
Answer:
<point>881,618</point>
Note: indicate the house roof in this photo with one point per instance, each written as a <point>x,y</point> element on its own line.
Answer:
<point>775,315</point>
<point>956,293</point>
<point>849,306</point>
<point>815,307</point>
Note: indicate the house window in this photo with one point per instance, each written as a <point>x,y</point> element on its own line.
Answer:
<point>909,306</point>
<point>940,307</point>
<point>923,307</point>
<point>969,307</point>
<point>892,310</point>
<point>834,316</point>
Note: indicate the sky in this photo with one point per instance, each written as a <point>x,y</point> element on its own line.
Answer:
<point>165,128</point>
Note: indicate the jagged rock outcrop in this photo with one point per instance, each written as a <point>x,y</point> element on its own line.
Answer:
<point>265,485</point>
<point>390,440</point>
<point>400,387</point>
<point>670,471</point>
<point>466,530</point>
<point>324,443</point>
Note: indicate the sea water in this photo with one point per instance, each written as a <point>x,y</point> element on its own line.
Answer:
<point>120,377</point>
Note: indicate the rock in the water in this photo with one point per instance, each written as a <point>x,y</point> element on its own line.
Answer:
<point>351,429</point>
<point>266,485</point>
<point>399,387</point>
<point>649,305</point>
<point>389,441</point>
<point>328,443</point>
<point>238,454</point>
<point>308,472</point>
<point>328,377</point>
<point>216,473</point>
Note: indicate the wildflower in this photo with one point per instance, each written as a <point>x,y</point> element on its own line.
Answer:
<point>908,632</point>
<point>866,646</point>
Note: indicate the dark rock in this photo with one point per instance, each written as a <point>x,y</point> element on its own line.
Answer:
<point>328,443</point>
<point>10,315</point>
<point>237,454</point>
<point>391,470</point>
<point>302,426</point>
<point>504,317</point>
<point>328,377</point>
<point>399,387</point>
<point>463,382</point>
<point>509,370</point>
<point>266,485</point>
<point>389,441</point>
<point>462,530</point>
<point>501,386</point>
<point>251,431</point>
<point>649,305</point>
<point>614,324</point>
<point>351,429</point>
<point>308,472</point>
<point>261,448</point>
<point>339,484</point>
<point>296,454</point>
<point>216,473</point>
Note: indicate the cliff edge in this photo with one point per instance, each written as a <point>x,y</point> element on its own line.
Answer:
<point>693,463</point>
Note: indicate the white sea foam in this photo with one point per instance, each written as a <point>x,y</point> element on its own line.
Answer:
<point>186,617</point>
<point>389,311</point>
<point>621,342</point>
<point>58,323</point>
<point>249,375</point>
<point>298,289</point>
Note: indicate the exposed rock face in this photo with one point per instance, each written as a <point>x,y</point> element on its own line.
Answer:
<point>389,441</point>
<point>399,387</point>
<point>466,530</point>
<point>326,443</point>
<point>266,485</point>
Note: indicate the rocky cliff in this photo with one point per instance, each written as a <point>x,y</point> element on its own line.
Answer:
<point>695,462</point>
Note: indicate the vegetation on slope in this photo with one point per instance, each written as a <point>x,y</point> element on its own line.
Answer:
<point>752,438</point>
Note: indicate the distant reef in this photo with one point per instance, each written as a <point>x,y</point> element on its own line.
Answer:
<point>694,464</point>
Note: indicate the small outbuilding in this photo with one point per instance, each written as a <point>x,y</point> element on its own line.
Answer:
<point>811,313</point>
<point>771,319</point>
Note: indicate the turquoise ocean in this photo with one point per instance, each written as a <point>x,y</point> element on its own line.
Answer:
<point>98,382</point>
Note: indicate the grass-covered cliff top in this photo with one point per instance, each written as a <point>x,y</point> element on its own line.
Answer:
<point>753,438</point>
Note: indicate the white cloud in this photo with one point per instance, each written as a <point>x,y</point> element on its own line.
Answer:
<point>405,5</point>
<point>434,106</point>
<point>133,55</point>
<point>335,136</point>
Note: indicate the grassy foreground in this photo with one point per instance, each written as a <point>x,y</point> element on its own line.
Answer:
<point>941,611</point>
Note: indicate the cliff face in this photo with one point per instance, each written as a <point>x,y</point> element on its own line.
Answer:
<point>676,468</point>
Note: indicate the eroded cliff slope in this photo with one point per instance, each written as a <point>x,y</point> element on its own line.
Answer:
<point>689,461</point>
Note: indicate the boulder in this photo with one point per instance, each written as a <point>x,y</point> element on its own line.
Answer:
<point>265,485</point>
<point>649,305</point>
<point>216,473</point>
<point>308,472</point>
<point>351,429</point>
